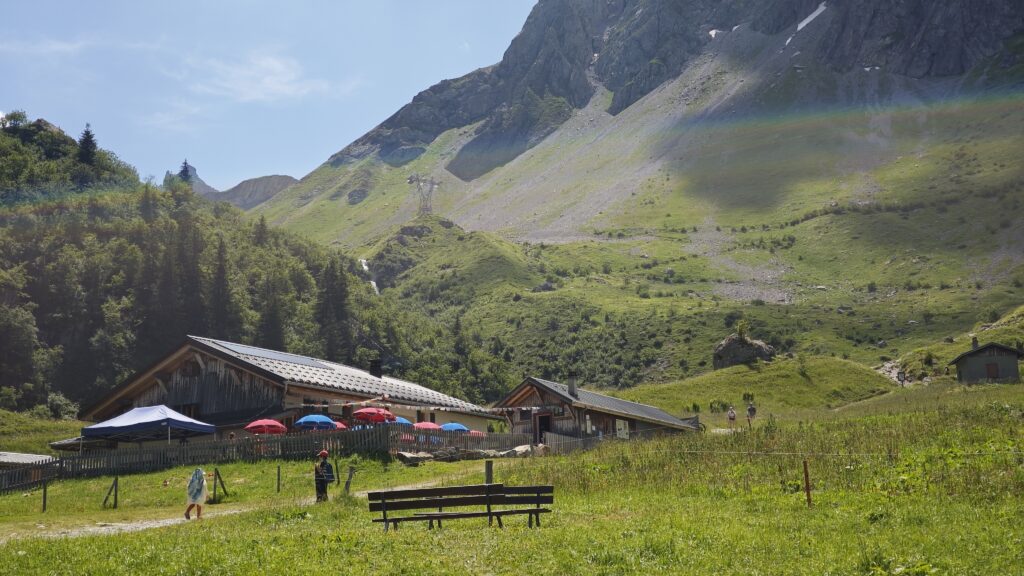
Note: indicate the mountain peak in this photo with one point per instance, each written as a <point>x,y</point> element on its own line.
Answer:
<point>569,47</point>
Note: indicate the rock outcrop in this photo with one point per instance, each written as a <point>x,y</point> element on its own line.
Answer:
<point>254,191</point>
<point>736,349</point>
<point>631,47</point>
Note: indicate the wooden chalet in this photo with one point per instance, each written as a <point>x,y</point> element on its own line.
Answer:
<point>992,362</point>
<point>229,385</point>
<point>546,407</point>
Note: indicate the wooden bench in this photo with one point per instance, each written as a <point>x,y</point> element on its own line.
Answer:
<point>492,497</point>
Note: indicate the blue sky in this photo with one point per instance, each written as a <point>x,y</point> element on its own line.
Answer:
<point>241,89</point>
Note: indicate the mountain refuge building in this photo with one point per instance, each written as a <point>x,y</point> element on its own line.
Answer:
<point>229,385</point>
<point>542,408</point>
<point>992,362</point>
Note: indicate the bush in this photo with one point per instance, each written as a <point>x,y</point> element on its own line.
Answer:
<point>60,407</point>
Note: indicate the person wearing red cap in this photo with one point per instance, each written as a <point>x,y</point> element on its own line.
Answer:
<point>323,475</point>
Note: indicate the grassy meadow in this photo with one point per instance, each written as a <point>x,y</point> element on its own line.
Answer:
<point>931,491</point>
<point>21,432</point>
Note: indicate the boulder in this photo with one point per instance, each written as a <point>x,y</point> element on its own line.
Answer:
<point>413,458</point>
<point>736,349</point>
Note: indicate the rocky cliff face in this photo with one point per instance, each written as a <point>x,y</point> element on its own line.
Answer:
<point>198,185</point>
<point>568,47</point>
<point>254,191</point>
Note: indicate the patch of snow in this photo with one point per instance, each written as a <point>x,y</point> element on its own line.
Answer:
<point>788,40</point>
<point>714,33</point>
<point>734,28</point>
<point>809,19</point>
<point>867,69</point>
<point>795,54</point>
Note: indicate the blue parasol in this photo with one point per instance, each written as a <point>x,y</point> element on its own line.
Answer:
<point>454,427</point>
<point>400,420</point>
<point>315,422</point>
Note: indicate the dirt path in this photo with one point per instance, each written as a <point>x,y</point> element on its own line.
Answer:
<point>109,528</point>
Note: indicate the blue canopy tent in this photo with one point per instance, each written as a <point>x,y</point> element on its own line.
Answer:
<point>148,423</point>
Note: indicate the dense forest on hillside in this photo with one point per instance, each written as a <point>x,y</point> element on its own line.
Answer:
<point>100,276</point>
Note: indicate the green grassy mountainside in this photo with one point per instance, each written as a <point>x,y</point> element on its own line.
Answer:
<point>98,281</point>
<point>854,209</point>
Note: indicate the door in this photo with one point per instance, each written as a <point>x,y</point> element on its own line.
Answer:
<point>622,429</point>
<point>992,371</point>
<point>542,424</point>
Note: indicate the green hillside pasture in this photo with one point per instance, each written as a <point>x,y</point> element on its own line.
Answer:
<point>932,360</point>
<point>20,432</point>
<point>911,496</point>
<point>76,503</point>
<point>942,394</point>
<point>783,387</point>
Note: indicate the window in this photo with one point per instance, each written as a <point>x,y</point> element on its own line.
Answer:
<point>419,416</point>
<point>346,411</point>
<point>432,416</point>
<point>524,415</point>
<point>190,410</point>
<point>323,406</point>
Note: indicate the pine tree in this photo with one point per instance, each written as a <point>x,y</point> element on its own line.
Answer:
<point>271,328</point>
<point>190,249</point>
<point>87,147</point>
<point>261,232</point>
<point>149,205</point>
<point>225,315</point>
<point>186,172</point>
<point>332,312</point>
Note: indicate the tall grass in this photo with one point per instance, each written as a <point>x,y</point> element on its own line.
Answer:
<point>976,453</point>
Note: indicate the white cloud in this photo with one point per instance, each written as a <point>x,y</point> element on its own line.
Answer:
<point>259,78</point>
<point>179,116</point>
<point>44,47</point>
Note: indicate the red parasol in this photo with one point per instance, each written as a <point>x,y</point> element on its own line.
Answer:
<point>426,426</point>
<point>340,426</point>
<point>266,427</point>
<point>373,415</point>
<point>476,433</point>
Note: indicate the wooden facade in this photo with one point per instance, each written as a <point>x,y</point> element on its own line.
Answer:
<point>226,391</point>
<point>988,363</point>
<point>539,408</point>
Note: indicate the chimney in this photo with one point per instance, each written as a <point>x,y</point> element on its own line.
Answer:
<point>375,368</point>
<point>572,386</point>
<point>974,343</point>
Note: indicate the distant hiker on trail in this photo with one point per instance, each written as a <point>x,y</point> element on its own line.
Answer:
<point>751,412</point>
<point>196,493</point>
<point>323,474</point>
<point>731,414</point>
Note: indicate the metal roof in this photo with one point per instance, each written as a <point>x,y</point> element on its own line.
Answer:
<point>303,370</point>
<point>18,458</point>
<point>1004,347</point>
<point>603,403</point>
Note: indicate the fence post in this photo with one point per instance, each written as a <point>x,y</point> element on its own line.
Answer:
<point>217,478</point>
<point>337,477</point>
<point>117,488</point>
<point>44,495</point>
<point>278,478</point>
<point>348,481</point>
<point>488,471</point>
<point>807,483</point>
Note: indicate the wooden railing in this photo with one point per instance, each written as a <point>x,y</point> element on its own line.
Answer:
<point>380,440</point>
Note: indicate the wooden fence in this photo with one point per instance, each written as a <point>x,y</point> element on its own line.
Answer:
<point>369,441</point>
